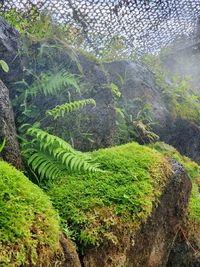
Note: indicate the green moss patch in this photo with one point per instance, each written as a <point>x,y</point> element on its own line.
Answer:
<point>93,205</point>
<point>193,170</point>
<point>29,227</point>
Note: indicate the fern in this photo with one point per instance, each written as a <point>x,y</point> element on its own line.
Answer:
<point>61,110</point>
<point>50,156</point>
<point>53,83</point>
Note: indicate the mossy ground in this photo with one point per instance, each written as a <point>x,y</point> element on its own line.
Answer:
<point>193,170</point>
<point>29,227</point>
<point>93,204</point>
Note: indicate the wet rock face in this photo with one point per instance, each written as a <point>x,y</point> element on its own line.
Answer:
<point>11,152</point>
<point>9,46</point>
<point>184,136</point>
<point>139,82</point>
<point>101,119</point>
<point>151,245</point>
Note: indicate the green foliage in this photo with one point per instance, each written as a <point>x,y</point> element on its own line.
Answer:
<point>94,204</point>
<point>180,99</point>
<point>133,113</point>
<point>194,211</point>
<point>52,83</point>
<point>61,110</point>
<point>4,65</point>
<point>115,90</point>
<point>50,156</point>
<point>34,25</point>
<point>29,227</point>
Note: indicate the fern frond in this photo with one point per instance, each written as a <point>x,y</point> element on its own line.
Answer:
<point>45,165</point>
<point>50,155</point>
<point>61,110</point>
<point>53,83</point>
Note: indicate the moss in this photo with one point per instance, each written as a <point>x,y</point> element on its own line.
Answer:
<point>94,204</point>
<point>29,227</point>
<point>193,170</point>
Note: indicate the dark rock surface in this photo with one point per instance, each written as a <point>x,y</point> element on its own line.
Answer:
<point>139,82</point>
<point>185,253</point>
<point>9,51</point>
<point>11,152</point>
<point>184,135</point>
<point>151,245</point>
<point>70,256</point>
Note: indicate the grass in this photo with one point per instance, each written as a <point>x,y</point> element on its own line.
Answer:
<point>95,204</point>
<point>29,227</point>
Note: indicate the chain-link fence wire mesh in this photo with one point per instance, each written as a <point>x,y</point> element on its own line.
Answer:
<point>141,25</point>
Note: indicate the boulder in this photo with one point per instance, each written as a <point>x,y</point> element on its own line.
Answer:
<point>151,245</point>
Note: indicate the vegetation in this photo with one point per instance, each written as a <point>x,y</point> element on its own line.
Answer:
<point>4,66</point>
<point>180,99</point>
<point>92,204</point>
<point>61,110</point>
<point>29,227</point>
<point>98,195</point>
<point>50,156</point>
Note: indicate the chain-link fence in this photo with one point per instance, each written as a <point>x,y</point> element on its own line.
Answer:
<point>143,25</point>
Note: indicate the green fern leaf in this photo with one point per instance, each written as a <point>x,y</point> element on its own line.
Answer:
<point>50,156</point>
<point>61,110</point>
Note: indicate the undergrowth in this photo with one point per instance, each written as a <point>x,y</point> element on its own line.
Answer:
<point>29,227</point>
<point>93,204</point>
<point>176,91</point>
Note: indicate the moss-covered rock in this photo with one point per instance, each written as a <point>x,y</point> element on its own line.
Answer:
<point>96,206</point>
<point>185,252</point>
<point>193,170</point>
<point>29,226</point>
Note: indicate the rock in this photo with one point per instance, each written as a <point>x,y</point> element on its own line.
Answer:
<point>185,253</point>
<point>11,152</point>
<point>101,119</point>
<point>151,245</point>
<point>139,82</point>
<point>9,52</point>
<point>184,135</point>
<point>71,258</point>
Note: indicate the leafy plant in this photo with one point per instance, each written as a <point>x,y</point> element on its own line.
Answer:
<point>176,91</point>
<point>52,83</point>
<point>61,110</point>
<point>50,156</point>
<point>115,90</point>
<point>4,65</point>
